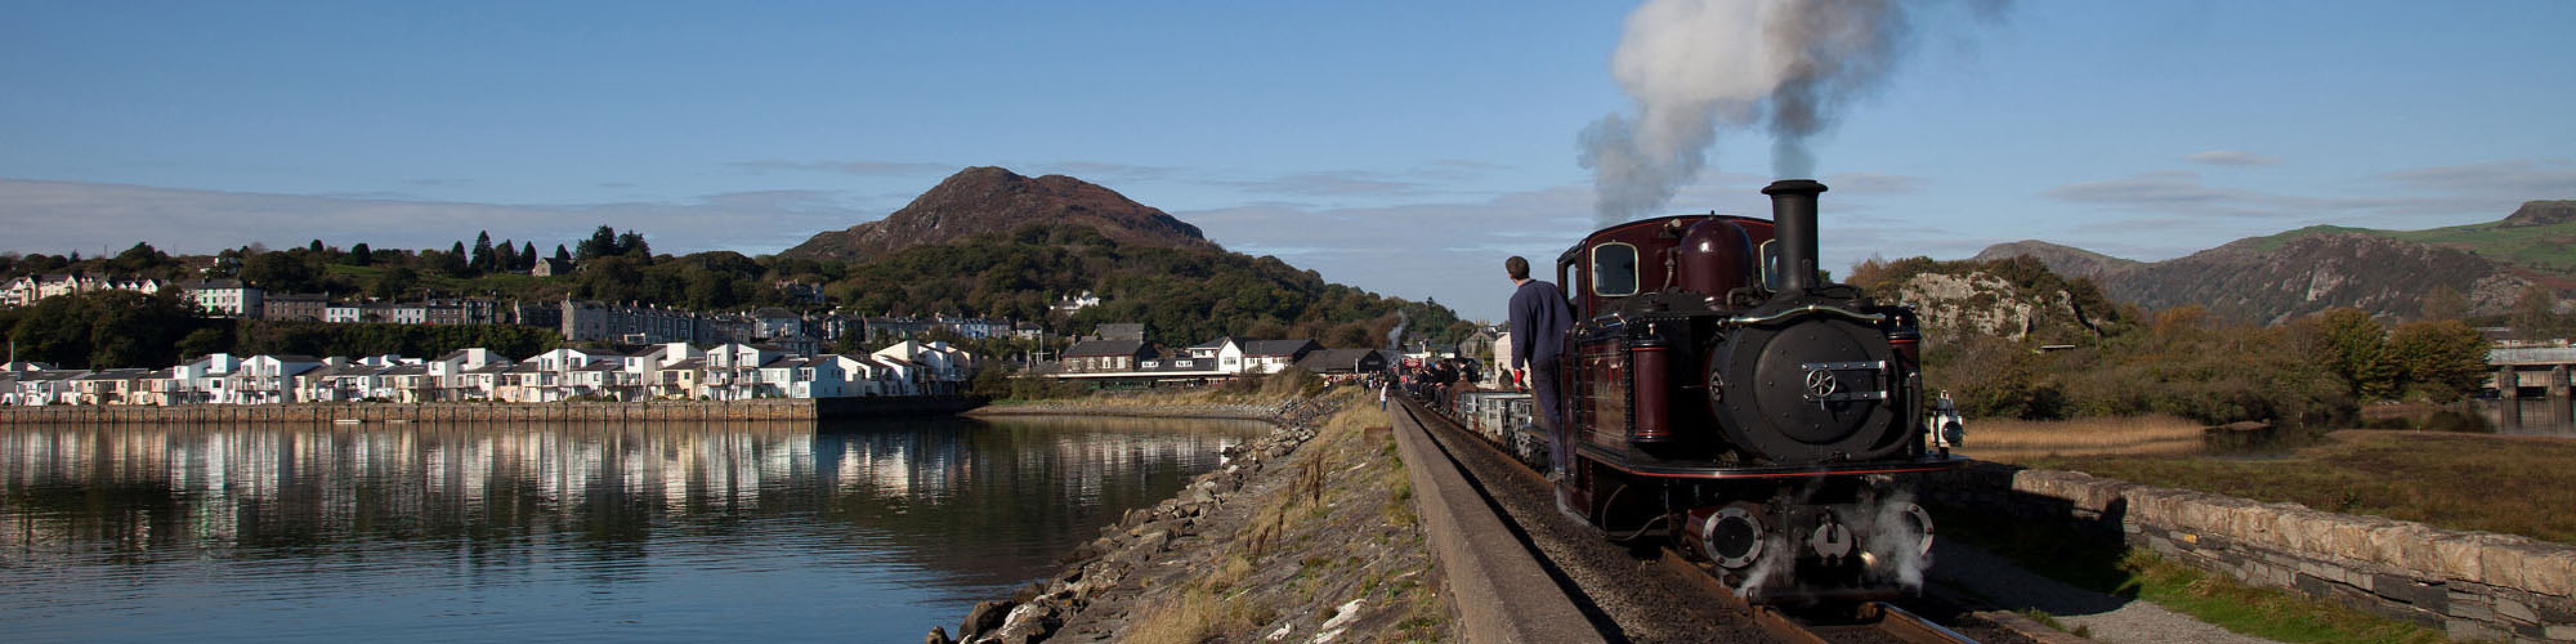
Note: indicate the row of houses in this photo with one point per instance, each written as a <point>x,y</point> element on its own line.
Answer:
<point>1221,358</point>
<point>665,371</point>
<point>26,290</point>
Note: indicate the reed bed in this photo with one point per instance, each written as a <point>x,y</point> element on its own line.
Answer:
<point>2022,441</point>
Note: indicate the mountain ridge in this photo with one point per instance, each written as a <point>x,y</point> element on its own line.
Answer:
<point>2275,277</point>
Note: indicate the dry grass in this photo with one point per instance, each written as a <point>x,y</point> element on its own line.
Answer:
<point>2457,481</point>
<point>1197,616</point>
<point>1296,548</point>
<point>2022,441</point>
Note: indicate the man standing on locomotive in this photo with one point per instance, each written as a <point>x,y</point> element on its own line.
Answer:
<point>1538,325</point>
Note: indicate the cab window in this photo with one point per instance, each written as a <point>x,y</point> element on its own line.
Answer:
<point>1614,270</point>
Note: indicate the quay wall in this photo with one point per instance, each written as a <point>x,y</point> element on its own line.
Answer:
<point>488,412</point>
<point>2474,585</point>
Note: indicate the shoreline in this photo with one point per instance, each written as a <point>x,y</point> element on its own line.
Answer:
<point>1223,555</point>
<point>774,409</point>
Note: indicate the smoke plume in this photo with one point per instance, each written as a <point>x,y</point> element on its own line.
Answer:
<point>1785,67</point>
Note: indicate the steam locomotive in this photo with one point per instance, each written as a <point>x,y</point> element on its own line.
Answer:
<point>1720,393</point>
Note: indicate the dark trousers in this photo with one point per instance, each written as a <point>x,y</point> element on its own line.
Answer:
<point>1551,411</point>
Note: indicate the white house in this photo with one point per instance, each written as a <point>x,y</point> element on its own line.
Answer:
<point>265,379</point>
<point>228,298</point>
<point>1223,354</point>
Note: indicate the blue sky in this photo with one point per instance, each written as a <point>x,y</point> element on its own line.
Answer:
<point>1401,147</point>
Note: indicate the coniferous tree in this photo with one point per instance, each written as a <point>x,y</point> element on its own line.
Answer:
<point>482,260</point>
<point>505,256</point>
<point>602,242</point>
<point>632,243</point>
<point>562,255</point>
<point>527,256</point>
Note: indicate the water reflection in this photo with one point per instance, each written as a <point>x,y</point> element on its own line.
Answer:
<point>664,531</point>
<point>2540,417</point>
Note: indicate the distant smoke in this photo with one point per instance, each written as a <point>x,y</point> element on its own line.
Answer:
<point>1395,336</point>
<point>1693,66</point>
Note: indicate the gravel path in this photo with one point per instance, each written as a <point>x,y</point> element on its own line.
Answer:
<point>2109,618</point>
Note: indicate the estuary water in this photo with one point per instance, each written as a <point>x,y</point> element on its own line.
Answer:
<point>869,532</point>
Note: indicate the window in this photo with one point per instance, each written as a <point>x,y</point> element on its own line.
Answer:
<point>1614,270</point>
<point>1770,266</point>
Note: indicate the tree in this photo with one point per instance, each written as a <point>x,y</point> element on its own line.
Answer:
<point>2535,315</point>
<point>602,243</point>
<point>505,256</point>
<point>394,282</point>
<point>528,256</point>
<point>316,246</point>
<point>280,272</point>
<point>2444,356</point>
<point>360,255</point>
<point>141,257</point>
<point>483,261</point>
<point>2355,348</point>
<point>2444,303</point>
<point>632,243</point>
<point>562,255</point>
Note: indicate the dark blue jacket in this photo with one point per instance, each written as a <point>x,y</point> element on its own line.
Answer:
<point>1539,321</point>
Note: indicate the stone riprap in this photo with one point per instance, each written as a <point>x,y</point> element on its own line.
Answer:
<point>2474,585</point>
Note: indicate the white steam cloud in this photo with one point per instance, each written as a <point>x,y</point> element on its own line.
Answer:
<point>1786,67</point>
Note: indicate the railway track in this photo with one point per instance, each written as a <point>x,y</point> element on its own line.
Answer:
<point>1874,621</point>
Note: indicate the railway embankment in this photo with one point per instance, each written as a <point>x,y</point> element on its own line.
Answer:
<point>2471,585</point>
<point>1307,533</point>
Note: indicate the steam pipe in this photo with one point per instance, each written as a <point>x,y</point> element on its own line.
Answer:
<point>1793,226</point>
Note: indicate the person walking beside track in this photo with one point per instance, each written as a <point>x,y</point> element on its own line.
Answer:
<point>1539,313</point>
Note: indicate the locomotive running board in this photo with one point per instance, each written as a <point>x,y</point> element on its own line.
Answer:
<point>1605,459</point>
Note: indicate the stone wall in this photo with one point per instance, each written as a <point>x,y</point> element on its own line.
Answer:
<point>2474,585</point>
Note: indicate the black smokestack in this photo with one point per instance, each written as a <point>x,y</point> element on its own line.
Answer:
<point>1793,230</point>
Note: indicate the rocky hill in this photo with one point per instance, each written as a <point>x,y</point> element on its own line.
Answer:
<point>2315,272</point>
<point>990,200</point>
<point>2064,260</point>
<point>2540,213</point>
<point>2277,277</point>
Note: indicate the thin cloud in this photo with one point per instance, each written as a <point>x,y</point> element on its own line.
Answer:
<point>2229,157</point>
<point>1874,184</point>
<point>2521,179</point>
<point>75,215</point>
<point>1333,183</point>
<point>860,168</point>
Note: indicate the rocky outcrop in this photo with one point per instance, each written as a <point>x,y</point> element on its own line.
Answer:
<point>1982,304</point>
<point>990,200</point>
<point>2540,213</point>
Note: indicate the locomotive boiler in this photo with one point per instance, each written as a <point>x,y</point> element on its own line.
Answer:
<point>1721,393</point>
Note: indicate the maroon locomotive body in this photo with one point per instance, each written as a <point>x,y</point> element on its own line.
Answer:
<point>1720,392</point>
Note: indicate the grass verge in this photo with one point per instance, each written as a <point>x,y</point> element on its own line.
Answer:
<point>2093,563</point>
<point>2456,481</point>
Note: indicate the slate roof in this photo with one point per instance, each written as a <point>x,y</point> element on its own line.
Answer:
<point>1276,347</point>
<point>1090,348</point>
